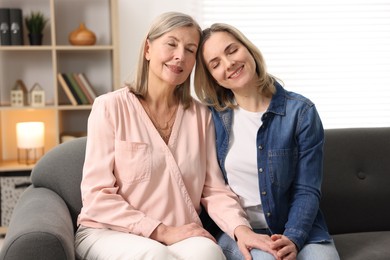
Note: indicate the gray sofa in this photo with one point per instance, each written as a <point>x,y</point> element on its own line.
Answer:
<point>356,190</point>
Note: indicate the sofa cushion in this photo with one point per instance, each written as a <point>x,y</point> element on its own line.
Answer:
<point>363,246</point>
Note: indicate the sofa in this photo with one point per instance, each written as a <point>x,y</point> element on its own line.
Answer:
<point>356,190</point>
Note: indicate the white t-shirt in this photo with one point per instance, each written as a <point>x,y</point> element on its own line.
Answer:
<point>241,164</point>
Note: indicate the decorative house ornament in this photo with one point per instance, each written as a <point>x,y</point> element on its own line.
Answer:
<point>82,36</point>
<point>19,94</point>
<point>37,96</point>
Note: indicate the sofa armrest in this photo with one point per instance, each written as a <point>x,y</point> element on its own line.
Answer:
<point>40,228</point>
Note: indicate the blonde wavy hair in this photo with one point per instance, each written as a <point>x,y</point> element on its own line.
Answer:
<point>207,88</point>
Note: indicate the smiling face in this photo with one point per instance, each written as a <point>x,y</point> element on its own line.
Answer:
<point>172,56</point>
<point>229,62</point>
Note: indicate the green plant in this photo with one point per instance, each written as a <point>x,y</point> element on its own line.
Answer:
<point>36,22</point>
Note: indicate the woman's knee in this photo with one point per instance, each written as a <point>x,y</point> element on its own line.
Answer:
<point>155,252</point>
<point>258,254</point>
<point>321,251</point>
<point>197,248</point>
<point>210,250</point>
<point>229,247</point>
<point>107,244</point>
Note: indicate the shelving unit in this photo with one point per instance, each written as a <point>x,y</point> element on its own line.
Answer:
<point>40,64</point>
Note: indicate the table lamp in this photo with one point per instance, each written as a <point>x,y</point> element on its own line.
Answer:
<point>30,141</point>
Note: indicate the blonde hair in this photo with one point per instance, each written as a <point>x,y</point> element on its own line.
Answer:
<point>163,24</point>
<point>206,87</point>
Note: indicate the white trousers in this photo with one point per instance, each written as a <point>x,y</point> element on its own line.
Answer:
<point>104,244</point>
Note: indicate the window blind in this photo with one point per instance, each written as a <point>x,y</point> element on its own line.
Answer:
<point>335,52</point>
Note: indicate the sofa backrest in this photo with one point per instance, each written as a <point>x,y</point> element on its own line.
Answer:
<point>355,189</point>
<point>60,170</point>
<point>356,185</point>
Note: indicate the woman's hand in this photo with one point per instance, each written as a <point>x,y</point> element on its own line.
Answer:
<point>247,240</point>
<point>285,248</point>
<point>170,235</point>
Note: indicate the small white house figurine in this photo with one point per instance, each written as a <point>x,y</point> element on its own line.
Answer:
<point>37,96</point>
<point>19,94</point>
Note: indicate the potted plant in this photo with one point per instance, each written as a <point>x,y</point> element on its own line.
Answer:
<point>35,23</point>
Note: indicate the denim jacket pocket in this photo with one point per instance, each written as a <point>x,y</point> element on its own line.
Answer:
<point>282,166</point>
<point>132,162</point>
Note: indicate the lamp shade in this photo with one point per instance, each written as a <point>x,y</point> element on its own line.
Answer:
<point>30,135</point>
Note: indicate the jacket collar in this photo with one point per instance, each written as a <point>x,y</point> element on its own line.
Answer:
<point>278,101</point>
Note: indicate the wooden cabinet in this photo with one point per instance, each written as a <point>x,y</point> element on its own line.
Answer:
<point>40,64</point>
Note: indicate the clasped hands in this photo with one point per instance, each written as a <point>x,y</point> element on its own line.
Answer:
<point>280,246</point>
<point>277,245</point>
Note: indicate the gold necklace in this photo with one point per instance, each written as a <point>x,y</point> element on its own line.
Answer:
<point>165,132</point>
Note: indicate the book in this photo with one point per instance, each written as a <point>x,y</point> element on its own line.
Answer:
<point>87,85</point>
<point>83,88</point>
<point>74,93</point>
<point>66,89</point>
<point>16,22</point>
<point>5,35</point>
<point>79,93</point>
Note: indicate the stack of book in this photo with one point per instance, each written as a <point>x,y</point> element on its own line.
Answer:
<point>11,26</point>
<point>77,88</point>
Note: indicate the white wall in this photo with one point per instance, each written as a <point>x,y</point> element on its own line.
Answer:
<point>135,17</point>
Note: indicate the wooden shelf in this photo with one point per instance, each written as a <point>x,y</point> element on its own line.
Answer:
<point>58,48</point>
<point>13,165</point>
<point>41,64</point>
<point>26,48</point>
<point>3,231</point>
<point>84,48</point>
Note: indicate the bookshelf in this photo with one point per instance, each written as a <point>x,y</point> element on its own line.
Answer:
<point>41,64</point>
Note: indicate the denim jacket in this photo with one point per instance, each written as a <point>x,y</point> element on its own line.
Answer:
<point>289,160</point>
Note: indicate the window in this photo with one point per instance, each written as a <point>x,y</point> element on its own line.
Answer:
<point>335,52</point>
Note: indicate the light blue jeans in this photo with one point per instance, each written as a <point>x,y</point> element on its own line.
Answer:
<point>323,251</point>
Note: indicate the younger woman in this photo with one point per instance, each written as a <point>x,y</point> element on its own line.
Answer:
<point>269,147</point>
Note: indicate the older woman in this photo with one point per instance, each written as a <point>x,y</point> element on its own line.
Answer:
<point>150,161</point>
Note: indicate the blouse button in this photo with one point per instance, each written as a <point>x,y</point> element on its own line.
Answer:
<point>260,170</point>
<point>260,147</point>
<point>263,193</point>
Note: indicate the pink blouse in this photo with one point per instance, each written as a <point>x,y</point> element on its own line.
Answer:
<point>133,181</point>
